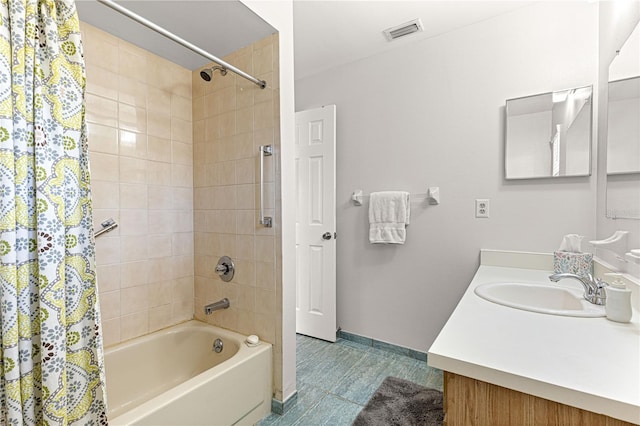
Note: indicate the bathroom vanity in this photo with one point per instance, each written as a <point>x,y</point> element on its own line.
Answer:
<point>510,366</point>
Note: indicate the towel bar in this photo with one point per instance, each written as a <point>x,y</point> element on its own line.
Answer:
<point>107,226</point>
<point>432,196</point>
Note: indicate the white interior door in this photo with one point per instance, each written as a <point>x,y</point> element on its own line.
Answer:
<point>316,223</point>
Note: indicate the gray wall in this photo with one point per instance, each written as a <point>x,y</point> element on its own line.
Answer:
<point>616,23</point>
<point>431,114</point>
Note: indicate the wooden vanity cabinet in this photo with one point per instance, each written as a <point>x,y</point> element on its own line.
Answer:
<point>470,402</point>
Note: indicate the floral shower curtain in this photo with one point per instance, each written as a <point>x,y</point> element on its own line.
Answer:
<point>51,348</point>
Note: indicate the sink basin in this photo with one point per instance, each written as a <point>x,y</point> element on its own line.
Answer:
<point>545,299</point>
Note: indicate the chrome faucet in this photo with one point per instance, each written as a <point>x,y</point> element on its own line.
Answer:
<point>594,291</point>
<point>216,306</point>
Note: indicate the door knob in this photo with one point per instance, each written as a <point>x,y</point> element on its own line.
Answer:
<point>326,236</point>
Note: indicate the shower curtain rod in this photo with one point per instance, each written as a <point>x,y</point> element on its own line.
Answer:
<point>123,10</point>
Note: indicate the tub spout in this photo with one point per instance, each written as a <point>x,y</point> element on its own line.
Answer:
<point>216,306</point>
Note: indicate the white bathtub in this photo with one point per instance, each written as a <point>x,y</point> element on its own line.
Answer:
<point>173,377</point>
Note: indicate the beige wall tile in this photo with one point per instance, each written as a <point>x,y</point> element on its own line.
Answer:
<point>108,277</point>
<point>132,118</point>
<point>263,115</point>
<point>102,139</point>
<point>160,197</point>
<point>104,166</point>
<point>132,92</point>
<point>182,153</point>
<point>182,198</point>
<point>159,125</point>
<point>265,248</point>
<point>107,250</point>
<point>162,220</point>
<point>110,304</point>
<point>158,101</point>
<point>160,317</point>
<point>263,59</point>
<point>133,196</point>
<point>134,274</point>
<point>102,82</point>
<point>183,290</point>
<point>159,269</point>
<point>266,275</point>
<point>133,62</point>
<point>111,331</point>
<point>181,130</point>
<point>133,248</point>
<point>159,245</point>
<point>199,130</point>
<point>246,171</point>
<point>245,95</point>
<point>226,173</point>
<point>265,327</point>
<point>244,147</point>
<point>134,325</point>
<point>100,48</point>
<point>181,311</point>
<point>227,123</point>
<point>246,197</point>
<point>197,109</point>
<point>237,118</point>
<point>129,115</point>
<point>244,117</point>
<point>267,301</point>
<point>160,293</point>
<point>183,221</point>
<point>245,220</point>
<point>246,273</point>
<point>158,173</point>
<point>181,175</point>
<point>133,170</point>
<point>159,149</point>
<point>181,107</point>
<point>133,144</point>
<point>105,194</point>
<point>212,104</point>
<point>182,243</point>
<point>133,222</point>
<point>245,247</point>
<point>134,299</point>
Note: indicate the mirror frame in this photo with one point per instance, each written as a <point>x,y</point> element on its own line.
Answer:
<point>590,136</point>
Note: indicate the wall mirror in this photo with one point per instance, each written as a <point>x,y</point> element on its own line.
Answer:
<point>623,132</point>
<point>549,135</point>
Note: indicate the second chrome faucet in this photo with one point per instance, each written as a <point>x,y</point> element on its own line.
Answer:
<point>594,291</point>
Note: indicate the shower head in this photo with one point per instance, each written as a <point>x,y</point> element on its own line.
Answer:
<point>207,73</point>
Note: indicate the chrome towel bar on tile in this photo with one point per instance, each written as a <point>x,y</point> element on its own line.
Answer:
<point>107,225</point>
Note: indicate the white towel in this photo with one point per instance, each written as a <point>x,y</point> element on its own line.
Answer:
<point>389,213</point>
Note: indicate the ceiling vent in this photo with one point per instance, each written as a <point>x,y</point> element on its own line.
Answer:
<point>403,29</point>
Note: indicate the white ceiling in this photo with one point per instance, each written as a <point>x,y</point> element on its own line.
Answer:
<point>326,33</point>
<point>332,33</point>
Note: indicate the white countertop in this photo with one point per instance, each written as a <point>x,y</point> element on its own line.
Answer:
<point>589,363</point>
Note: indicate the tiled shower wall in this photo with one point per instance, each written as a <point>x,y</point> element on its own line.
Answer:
<point>140,141</point>
<point>232,117</point>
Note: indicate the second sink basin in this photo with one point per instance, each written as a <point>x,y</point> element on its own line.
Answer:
<point>546,299</point>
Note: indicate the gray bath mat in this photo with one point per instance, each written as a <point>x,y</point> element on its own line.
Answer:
<point>398,402</point>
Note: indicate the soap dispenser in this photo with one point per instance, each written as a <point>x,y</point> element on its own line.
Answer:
<point>618,302</point>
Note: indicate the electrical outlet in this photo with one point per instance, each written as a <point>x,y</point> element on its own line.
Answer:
<point>482,207</point>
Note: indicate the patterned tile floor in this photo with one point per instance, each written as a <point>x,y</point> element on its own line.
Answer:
<point>335,380</point>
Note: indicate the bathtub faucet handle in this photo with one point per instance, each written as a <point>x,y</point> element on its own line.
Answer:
<point>225,268</point>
